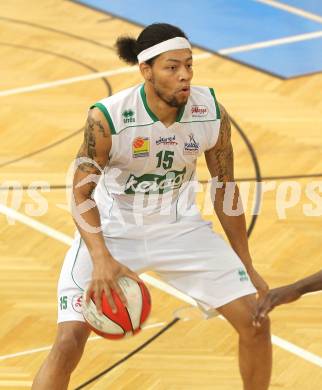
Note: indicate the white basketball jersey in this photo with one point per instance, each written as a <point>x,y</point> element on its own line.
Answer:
<point>152,167</point>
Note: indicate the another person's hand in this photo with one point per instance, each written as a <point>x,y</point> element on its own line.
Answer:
<point>275,297</point>
<point>105,275</point>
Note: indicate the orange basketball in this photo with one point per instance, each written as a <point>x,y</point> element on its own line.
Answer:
<point>126,321</point>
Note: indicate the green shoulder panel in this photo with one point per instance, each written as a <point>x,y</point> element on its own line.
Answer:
<point>104,110</point>
<point>146,106</point>
<point>216,103</point>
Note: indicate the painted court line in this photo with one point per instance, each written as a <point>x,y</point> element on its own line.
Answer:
<point>295,350</point>
<point>273,42</point>
<point>292,10</point>
<point>5,384</point>
<point>48,347</point>
<point>287,346</point>
<point>40,227</point>
<point>36,350</point>
<point>71,80</point>
<point>86,77</point>
<point>126,69</point>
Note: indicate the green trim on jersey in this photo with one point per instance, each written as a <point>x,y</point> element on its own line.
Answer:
<point>72,271</point>
<point>180,113</point>
<point>102,108</point>
<point>127,127</point>
<point>207,120</point>
<point>152,115</point>
<point>143,96</point>
<point>216,103</point>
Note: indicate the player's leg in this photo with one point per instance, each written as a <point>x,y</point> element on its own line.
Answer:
<point>212,273</point>
<point>255,347</point>
<point>72,331</point>
<point>64,356</point>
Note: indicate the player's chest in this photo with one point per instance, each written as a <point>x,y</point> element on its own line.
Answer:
<point>162,148</point>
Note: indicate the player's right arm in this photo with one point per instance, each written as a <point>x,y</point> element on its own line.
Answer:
<point>286,294</point>
<point>91,160</point>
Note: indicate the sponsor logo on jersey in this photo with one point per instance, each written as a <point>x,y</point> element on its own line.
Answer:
<point>192,146</point>
<point>243,277</point>
<point>198,111</point>
<point>128,116</point>
<point>140,147</point>
<point>150,183</point>
<point>77,302</point>
<point>171,140</point>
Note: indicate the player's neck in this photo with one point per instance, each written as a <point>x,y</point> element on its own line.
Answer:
<point>165,113</point>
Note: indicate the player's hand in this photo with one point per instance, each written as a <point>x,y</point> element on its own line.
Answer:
<point>258,282</point>
<point>275,297</point>
<point>105,275</point>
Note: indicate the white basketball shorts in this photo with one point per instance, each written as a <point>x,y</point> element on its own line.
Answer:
<point>186,254</point>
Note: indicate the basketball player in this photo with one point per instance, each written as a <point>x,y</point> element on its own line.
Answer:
<point>143,143</point>
<point>286,294</point>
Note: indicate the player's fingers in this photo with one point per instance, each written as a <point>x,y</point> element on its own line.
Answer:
<point>261,313</point>
<point>134,276</point>
<point>257,323</point>
<point>88,294</point>
<point>109,297</point>
<point>98,299</point>
<point>120,293</point>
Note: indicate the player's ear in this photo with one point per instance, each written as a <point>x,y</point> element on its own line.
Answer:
<point>146,71</point>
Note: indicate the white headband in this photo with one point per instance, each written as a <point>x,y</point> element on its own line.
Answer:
<point>171,44</point>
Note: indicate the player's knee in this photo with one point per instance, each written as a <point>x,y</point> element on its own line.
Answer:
<point>68,349</point>
<point>251,334</point>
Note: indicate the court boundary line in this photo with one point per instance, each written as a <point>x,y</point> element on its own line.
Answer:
<point>272,42</point>
<point>20,383</point>
<point>292,10</point>
<point>48,347</point>
<point>59,236</point>
<point>127,69</point>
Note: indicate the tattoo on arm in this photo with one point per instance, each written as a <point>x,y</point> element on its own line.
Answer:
<point>93,128</point>
<point>99,125</point>
<point>86,167</point>
<point>91,188</point>
<point>222,157</point>
<point>89,138</point>
<point>224,154</point>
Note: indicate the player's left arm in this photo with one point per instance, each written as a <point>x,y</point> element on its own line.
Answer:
<point>220,162</point>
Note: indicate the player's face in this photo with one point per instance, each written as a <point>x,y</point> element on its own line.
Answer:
<point>171,76</point>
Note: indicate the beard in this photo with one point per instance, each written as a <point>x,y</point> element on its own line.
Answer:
<point>171,101</point>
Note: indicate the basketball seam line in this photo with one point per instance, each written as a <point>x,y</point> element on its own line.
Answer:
<point>116,323</point>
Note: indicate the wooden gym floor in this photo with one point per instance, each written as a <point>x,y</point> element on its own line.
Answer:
<point>53,40</point>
